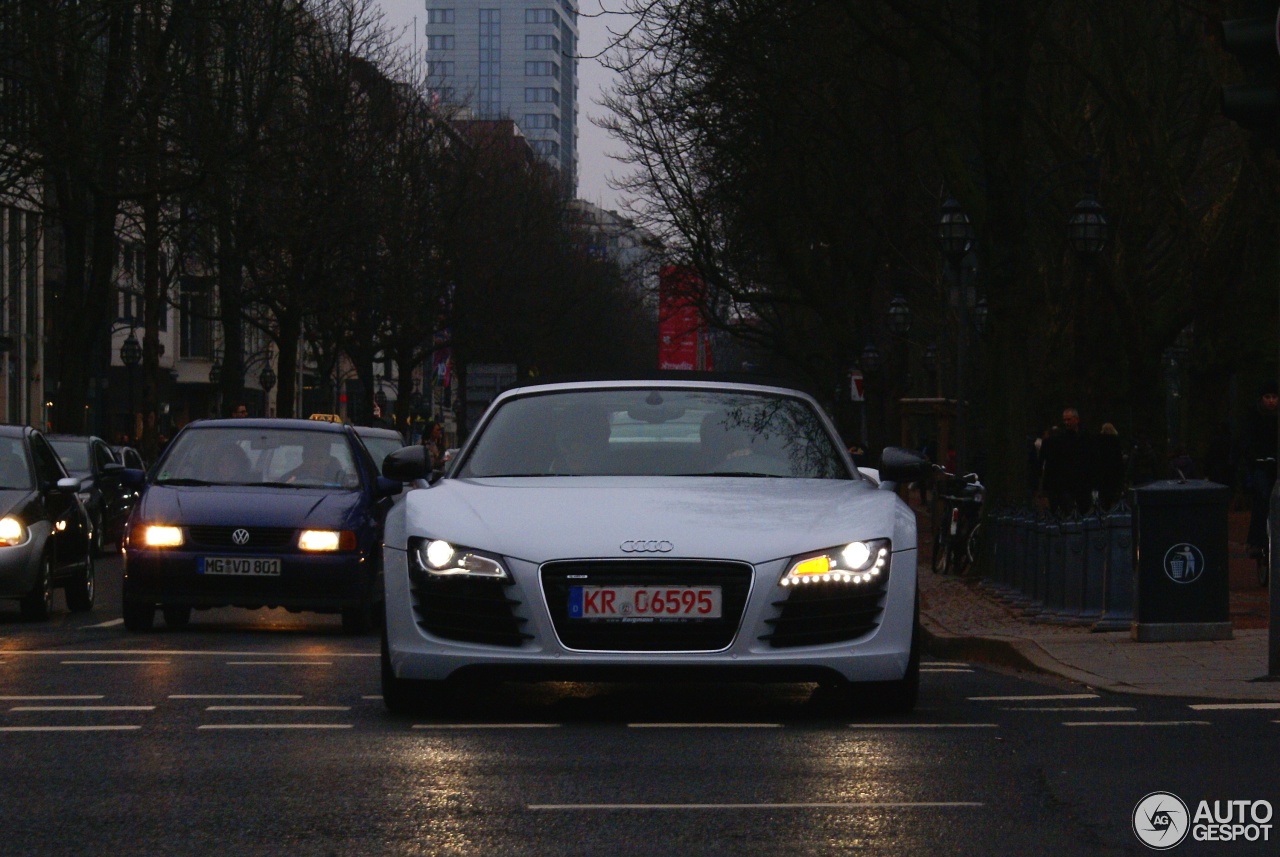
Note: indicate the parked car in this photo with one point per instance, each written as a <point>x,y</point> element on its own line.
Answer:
<point>380,442</point>
<point>108,493</point>
<point>258,513</point>
<point>129,457</point>
<point>616,530</point>
<point>45,532</point>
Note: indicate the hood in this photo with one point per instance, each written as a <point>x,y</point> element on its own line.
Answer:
<point>754,520</point>
<point>228,505</point>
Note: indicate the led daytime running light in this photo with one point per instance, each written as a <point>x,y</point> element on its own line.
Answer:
<point>438,558</point>
<point>854,563</point>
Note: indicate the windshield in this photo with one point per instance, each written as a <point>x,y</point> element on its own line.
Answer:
<point>656,432</point>
<point>228,454</point>
<point>74,453</point>
<point>14,472</point>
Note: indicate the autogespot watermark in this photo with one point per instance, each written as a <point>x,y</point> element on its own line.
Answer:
<point>1161,821</point>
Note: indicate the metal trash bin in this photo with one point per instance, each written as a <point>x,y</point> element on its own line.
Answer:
<point>1182,566</point>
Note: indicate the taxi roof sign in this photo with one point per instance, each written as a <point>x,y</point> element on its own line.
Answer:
<point>326,418</point>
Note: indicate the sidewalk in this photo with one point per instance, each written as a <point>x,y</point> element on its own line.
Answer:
<point>963,619</point>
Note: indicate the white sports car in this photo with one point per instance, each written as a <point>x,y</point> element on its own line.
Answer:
<point>618,530</point>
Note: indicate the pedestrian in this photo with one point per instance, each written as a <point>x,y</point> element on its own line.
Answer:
<point>433,440</point>
<point>1258,456</point>
<point>1108,467</point>
<point>239,409</point>
<point>378,420</point>
<point>1064,460</point>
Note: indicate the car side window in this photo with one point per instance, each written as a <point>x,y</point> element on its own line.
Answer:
<point>102,456</point>
<point>48,467</point>
<point>132,459</point>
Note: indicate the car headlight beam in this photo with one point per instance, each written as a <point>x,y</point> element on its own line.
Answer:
<point>161,536</point>
<point>12,532</point>
<point>317,541</point>
<point>853,563</point>
<point>441,559</point>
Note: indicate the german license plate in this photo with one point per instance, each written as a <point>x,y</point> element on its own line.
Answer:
<point>644,602</point>
<point>246,566</point>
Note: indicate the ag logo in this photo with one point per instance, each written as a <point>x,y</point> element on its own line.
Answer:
<point>1161,821</point>
<point>240,536</point>
<point>1184,563</point>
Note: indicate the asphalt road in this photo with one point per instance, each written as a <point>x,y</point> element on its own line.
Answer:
<point>263,733</point>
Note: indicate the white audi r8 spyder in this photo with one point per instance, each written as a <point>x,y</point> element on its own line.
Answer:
<point>610,531</point>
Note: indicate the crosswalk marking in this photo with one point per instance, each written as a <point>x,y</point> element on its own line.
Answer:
<point>243,726</point>
<point>1236,706</point>
<point>1045,697</point>
<point>277,708</point>
<point>69,728</point>
<point>83,708</point>
<point>1137,723</point>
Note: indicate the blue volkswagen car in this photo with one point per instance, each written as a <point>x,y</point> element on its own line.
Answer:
<point>258,513</point>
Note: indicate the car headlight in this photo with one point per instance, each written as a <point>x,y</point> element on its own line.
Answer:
<point>441,559</point>
<point>326,540</point>
<point>161,536</point>
<point>856,562</point>
<point>12,532</point>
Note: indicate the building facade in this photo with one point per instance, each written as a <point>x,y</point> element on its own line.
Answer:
<point>511,59</point>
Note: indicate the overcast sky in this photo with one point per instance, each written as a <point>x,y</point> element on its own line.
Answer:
<point>593,163</point>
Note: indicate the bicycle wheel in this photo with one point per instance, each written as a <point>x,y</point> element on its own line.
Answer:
<point>973,545</point>
<point>941,547</point>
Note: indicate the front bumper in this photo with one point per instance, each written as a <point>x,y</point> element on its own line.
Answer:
<point>880,654</point>
<point>317,582</point>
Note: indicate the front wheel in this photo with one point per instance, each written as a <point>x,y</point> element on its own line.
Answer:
<point>38,603</point>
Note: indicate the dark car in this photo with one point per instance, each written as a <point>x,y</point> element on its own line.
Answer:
<point>380,442</point>
<point>44,528</point>
<point>258,513</point>
<point>106,490</point>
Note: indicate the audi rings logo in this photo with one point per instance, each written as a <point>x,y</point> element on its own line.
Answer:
<point>240,536</point>
<point>1161,820</point>
<point>650,546</point>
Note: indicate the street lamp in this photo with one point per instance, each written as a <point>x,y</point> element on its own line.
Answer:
<point>1087,227</point>
<point>899,316</point>
<point>871,359</point>
<point>955,239</point>
<point>131,356</point>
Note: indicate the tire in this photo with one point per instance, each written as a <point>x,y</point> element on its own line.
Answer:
<point>38,603</point>
<point>941,551</point>
<point>139,617</point>
<point>176,615</point>
<point>402,696</point>
<point>358,619</point>
<point>80,592</point>
<point>973,545</point>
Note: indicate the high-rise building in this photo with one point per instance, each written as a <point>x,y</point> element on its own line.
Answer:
<point>511,59</point>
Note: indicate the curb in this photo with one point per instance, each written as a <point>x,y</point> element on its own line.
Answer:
<point>1014,653</point>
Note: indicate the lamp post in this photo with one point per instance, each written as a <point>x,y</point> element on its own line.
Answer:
<point>131,356</point>
<point>955,238</point>
<point>267,378</point>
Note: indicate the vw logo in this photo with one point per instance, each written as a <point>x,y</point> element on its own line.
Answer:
<point>240,536</point>
<point>650,546</point>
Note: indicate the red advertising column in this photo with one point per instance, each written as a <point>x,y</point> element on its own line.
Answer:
<point>682,338</point>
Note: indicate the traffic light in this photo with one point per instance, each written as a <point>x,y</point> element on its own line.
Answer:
<point>1255,41</point>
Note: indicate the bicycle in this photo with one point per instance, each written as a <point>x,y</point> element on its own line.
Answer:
<point>956,535</point>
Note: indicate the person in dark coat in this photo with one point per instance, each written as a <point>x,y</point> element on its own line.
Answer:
<point>1065,462</point>
<point>1258,457</point>
<point>1108,467</point>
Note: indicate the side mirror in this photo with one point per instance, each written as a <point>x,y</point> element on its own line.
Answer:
<point>407,464</point>
<point>70,485</point>
<point>901,465</point>
<point>132,477</point>
<point>387,487</point>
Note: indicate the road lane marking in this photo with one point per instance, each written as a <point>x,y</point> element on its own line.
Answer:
<point>1049,697</point>
<point>1073,708</point>
<point>1236,706</point>
<point>372,696</point>
<point>945,670</point>
<point>50,698</point>
<point>704,725</point>
<point>69,728</point>
<point>227,726</point>
<point>87,663</point>
<point>888,805</point>
<point>83,708</point>
<point>487,725</point>
<point>1136,723</point>
<point>279,663</point>
<point>924,725</point>
<point>277,708</point>
<point>108,624</point>
<point>235,696</point>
